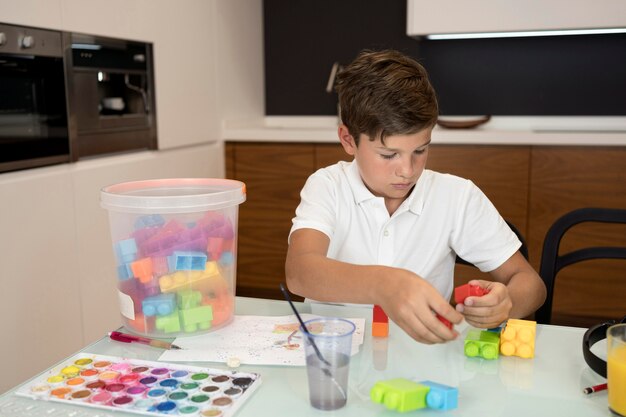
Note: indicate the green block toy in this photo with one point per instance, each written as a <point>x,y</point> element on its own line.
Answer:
<point>482,343</point>
<point>400,394</point>
<point>188,299</point>
<point>196,318</point>
<point>169,323</point>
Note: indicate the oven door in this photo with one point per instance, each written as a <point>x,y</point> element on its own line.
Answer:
<point>33,115</point>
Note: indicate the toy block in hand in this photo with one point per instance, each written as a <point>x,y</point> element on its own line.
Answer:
<point>445,321</point>
<point>467,290</point>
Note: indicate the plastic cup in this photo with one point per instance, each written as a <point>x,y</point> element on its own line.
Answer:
<point>328,366</point>
<point>175,247</point>
<point>616,368</point>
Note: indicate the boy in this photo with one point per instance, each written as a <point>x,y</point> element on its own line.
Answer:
<point>384,230</point>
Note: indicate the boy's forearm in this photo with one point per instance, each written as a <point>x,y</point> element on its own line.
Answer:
<point>527,292</point>
<point>323,279</point>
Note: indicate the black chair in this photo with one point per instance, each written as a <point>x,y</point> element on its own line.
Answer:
<point>552,262</point>
<point>523,249</point>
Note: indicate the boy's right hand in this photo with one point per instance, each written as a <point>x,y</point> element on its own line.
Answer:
<point>412,303</point>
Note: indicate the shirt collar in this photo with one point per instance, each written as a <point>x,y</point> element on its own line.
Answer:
<point>415,201</point>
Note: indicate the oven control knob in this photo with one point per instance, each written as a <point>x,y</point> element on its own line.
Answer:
<point>3,38</point>
<point>28,42</point>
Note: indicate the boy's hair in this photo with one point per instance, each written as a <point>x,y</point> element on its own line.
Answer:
<point>385,93</point>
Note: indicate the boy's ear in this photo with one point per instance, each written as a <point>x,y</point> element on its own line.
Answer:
<point>346,139</point>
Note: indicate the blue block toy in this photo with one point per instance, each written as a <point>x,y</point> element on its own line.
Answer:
<point>159,305</point>
<point>149,220</point>
<point>227,258</point>
<point>124,272</point>
<point>441,397</point>
<point>187,261</point>
<point>126,250</point>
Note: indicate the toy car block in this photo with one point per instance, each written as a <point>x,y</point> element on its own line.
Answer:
<point>441,397</point>
<point>126,250</point>
<point>466,290</point>
<point>187,261</point>
<point>400,394</point>
<point>149,220</point>
<point>188,299</point>
<point>159,305</point>
<point>142,270</point>
<point>481,343</point>
<point>196,318</point>
<point>445,321</point>
<point>168,324</point>
<point>518,338</point>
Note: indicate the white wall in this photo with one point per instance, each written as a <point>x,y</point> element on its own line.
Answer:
<point>58,277</point>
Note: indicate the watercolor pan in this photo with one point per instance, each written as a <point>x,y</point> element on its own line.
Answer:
<point>143,387</point>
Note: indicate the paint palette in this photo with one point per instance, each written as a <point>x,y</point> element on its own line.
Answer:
<point>143,387</point>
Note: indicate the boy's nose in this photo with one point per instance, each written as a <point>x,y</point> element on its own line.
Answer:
<point>405,169</point>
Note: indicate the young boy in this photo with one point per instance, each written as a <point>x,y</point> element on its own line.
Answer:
<point>384,230</point>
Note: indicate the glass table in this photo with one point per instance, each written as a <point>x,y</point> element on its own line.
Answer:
<point>549,384</point>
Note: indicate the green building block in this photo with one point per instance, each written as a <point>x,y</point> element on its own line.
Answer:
<point>196,318</point>
<point>169,323</point>
<point>482,343</point>
<point>188,299</point>
<point>400,394</point>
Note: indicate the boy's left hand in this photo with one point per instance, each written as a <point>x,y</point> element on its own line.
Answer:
<point>489,310</point>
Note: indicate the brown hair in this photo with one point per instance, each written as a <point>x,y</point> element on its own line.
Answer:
<point>385,93</point>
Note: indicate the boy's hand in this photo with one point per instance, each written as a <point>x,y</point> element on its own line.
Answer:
<point>489,310</point>
<point>413,304</point>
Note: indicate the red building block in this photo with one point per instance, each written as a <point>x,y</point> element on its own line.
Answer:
<point>445,321</point>
<point>467,290</point>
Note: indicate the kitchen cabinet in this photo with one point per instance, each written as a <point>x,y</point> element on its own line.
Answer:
<point>450,16</point>
<point>58,270</point>
<point>530,185</point>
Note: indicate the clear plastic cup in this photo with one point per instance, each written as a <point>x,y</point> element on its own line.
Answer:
<point>175,246</point>
<point>328,361</point>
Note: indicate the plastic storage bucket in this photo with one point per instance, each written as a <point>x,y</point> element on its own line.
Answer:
<point>175,246</point>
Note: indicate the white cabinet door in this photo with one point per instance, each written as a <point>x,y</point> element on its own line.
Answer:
<point>453,16</point>
<point>94,256</point>
<point>41,301</point>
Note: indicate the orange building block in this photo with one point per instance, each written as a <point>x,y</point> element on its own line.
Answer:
<point>380,329</point>
<point>142,270</point>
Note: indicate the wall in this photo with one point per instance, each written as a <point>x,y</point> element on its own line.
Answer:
<point>57,264</point>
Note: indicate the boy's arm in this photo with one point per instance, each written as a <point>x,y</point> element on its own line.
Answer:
<point>517,291</point>
<point>406,298</point>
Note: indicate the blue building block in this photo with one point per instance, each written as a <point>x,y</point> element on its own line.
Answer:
<point>441,397</point>
<point>149,220</point>
<point>126,250</point>
<point>187,261</point>
<point>124,272</point>
<point>227,258</point>
<point>159,305</point>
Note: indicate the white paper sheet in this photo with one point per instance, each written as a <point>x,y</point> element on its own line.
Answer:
<point>258,340</point>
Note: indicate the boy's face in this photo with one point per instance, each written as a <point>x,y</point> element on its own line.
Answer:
<point>390,170</point>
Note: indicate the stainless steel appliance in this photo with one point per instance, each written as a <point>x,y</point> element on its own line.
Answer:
<point>33,113</point>
<point>111,95</point>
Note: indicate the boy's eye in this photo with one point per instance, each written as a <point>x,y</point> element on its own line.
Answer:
<point>420,151</point>
<point>390,156</point>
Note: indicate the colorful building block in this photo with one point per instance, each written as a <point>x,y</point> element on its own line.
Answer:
<point>188,299</point>
<point>518,338</point>
<point>380,322</point>
<point>168,324</point>
<point>466,290</point>
<point>142,270</point>
<point>482,343</point>
<point>126,250</point>
<point>149,220</point>
<point>196,280</point>
<point>441,397</point>
<point>124,272</point>
<point>159,305</point>
<point>445,321</point>
<point>187,261</point>
<point>196,318</point>
<point>400,394</point>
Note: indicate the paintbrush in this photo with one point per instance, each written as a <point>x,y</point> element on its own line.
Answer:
<point>309,338</point>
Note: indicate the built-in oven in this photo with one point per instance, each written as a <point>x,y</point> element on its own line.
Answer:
<point>33,112</point>
<point>111,95</point>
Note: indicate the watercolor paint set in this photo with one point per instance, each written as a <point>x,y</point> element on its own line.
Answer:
<point>143,387</point>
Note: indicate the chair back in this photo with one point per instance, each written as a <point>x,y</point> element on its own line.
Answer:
<point>552,262</point>
<point>523,249</point>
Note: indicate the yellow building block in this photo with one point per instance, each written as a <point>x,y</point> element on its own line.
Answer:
<point>518,338</point>
<point>203,281</point>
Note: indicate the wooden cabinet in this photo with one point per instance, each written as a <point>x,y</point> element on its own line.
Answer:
<point>530,185</point>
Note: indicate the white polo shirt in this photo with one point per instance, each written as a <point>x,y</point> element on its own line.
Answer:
<point>443,216</point>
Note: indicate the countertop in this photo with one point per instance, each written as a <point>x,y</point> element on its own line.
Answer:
<point>500,130</point>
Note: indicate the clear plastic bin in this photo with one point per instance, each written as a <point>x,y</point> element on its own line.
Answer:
<point>175,245</point>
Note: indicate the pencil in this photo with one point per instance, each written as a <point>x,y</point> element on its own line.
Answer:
<point>595,388</point>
